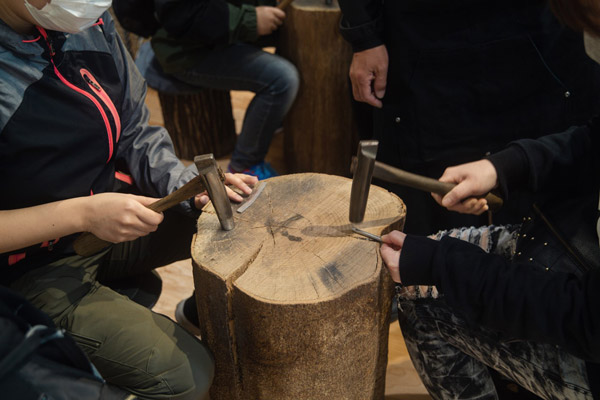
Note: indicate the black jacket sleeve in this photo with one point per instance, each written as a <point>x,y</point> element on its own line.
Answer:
<point>565,161</point>
<point>522,302</point>
<point>362,23</point>
<point>201,21</point>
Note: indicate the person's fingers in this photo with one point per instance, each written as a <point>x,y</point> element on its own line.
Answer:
<point>146,201</point>
<point>456,195</point>
<point>437,198</point>
<point>372,100</point>
<point>143,213</point>
<point>233,195</point>
<point>471,205</point>
<point>480,207</point>
<point>150,217</point>
<point>241,181</point>
<point>201,200</point>
<point>395,238</point>
<point>391,259</point>
<point>380,83</point>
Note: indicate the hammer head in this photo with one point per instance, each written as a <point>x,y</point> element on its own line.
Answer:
<point>361,179</point>
<point>211,176</point>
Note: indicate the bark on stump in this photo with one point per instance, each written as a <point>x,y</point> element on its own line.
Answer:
<point>320,119</point>
<point>200,122</point>
<point>294,305</point>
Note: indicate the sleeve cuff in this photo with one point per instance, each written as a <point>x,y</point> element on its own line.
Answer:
<point>365,36</point>
<point>511,166</point>
<point>415,260</point>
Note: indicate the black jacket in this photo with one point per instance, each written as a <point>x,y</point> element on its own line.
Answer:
<point>72,114</point>
<point>549,291</point>
<point>465,78</point>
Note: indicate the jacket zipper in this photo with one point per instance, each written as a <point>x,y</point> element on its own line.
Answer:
<point>82,92</point>
<point>95,86</point>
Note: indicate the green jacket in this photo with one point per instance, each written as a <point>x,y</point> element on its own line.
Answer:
<point>191,29</point>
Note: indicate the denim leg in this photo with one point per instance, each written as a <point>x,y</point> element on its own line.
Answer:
<point>451,355</point>
<point>272,78</point>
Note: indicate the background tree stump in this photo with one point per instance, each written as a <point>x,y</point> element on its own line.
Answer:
<point>200,122</point>
<point>320,119</point>
<point>294,305</point>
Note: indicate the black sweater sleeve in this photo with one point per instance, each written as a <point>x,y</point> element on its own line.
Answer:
<point>563,161</point>
<point>201,21</point>
<point>554,308</point>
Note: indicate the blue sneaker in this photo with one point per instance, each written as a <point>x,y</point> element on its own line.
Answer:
<point>262,170</point>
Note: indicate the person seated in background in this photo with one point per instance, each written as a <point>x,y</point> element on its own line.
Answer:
<point>219,44</point>
<point>72,113</point>
<point>520,299</point>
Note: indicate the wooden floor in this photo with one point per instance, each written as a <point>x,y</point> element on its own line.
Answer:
<point>402,382</point>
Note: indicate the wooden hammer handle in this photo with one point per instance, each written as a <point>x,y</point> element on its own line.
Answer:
<point>396,175</point>
<point>88,244</point>
<point>284,3</point>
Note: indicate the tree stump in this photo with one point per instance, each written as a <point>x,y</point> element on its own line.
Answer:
<point>320,119</point>
<point>200,122</point>
<point>293,304</point>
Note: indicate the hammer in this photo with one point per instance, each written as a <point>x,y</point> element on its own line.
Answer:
<point>364,167</point>
<point>210,178</point>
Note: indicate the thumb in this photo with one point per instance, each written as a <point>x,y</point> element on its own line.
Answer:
<point>455,196</point>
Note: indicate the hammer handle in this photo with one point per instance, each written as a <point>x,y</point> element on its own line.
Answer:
<point>284,4</point>
<point>399,176</point>
<point>88,244</point>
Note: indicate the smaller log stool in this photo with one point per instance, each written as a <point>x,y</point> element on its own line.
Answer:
<point>199,120</point>
<point>293,304</point>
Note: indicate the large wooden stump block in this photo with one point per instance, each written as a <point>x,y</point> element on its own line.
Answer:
<point>293,304</point>
<point>320,120</point>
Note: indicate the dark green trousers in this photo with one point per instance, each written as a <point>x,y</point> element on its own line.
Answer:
<point>141,351</point>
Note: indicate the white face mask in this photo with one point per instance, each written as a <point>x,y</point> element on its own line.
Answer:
<point>68,15</point>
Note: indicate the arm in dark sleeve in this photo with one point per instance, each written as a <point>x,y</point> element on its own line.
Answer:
<point>362,23</point>
<point>522,302</point>
<point>564,161</point>
<point>202,21</point>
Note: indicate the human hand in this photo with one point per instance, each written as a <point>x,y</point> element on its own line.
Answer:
<point>241,181</point>
<point>472,179</point>
<point>268,19</point>
<point>368,73</point>
<point>118,217</point>
<point>390,252</point>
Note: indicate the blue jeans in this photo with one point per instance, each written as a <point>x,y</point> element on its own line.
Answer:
<point>452,356</point>
<point>273,79</point>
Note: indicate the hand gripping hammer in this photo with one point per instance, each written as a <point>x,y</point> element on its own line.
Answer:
<point>364,167</point>
<point>210,178</point>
